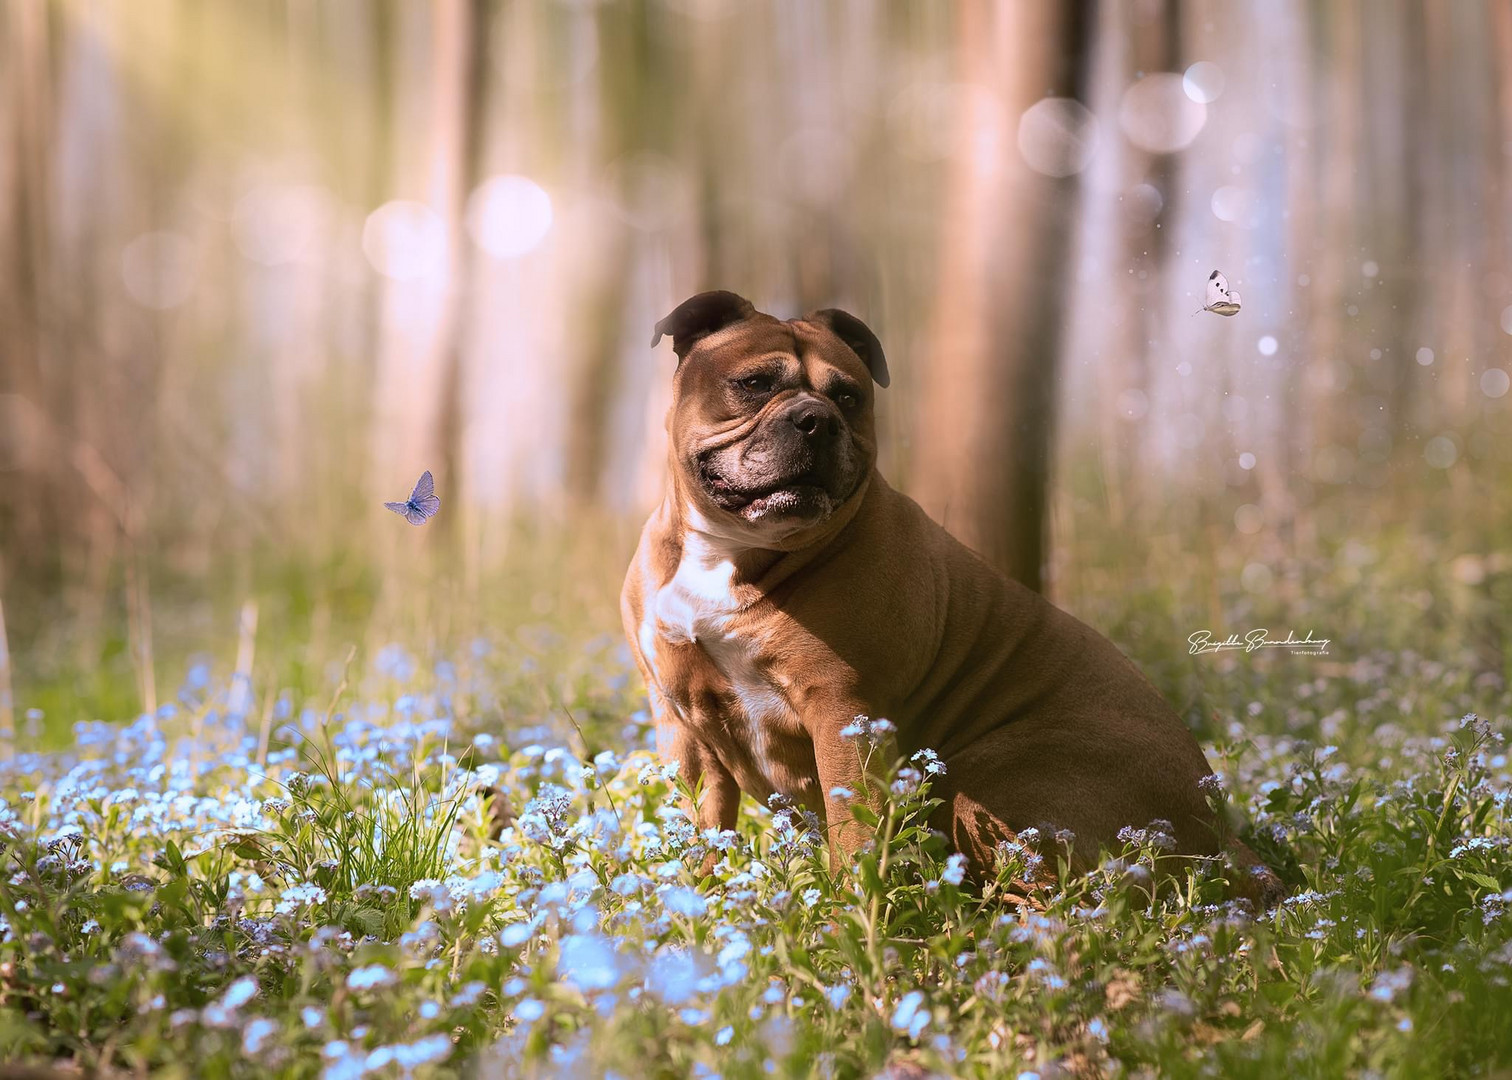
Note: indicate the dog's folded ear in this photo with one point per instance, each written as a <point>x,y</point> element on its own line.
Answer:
<point>859,337</point>
<point>699,316</point>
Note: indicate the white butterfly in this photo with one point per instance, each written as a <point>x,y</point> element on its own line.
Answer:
<point>1221,300</point>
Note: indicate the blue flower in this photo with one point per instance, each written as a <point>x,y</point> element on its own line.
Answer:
<point>239,993</point>
<point>587,961</point>
<point>1388,984</point>
<point>672,976</point>
<point>681,900</point>
<point>256,1033</point>
<point>911,1016</point>
<point>955,869</point>
<point>426,1051</point>
<point>374,975</point>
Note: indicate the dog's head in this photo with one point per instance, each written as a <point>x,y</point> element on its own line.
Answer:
<point>771,425</point>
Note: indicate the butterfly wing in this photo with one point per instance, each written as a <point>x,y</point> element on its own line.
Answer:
<point>1221,300</point>
<point>1217,289</point>
<point>422,503</point>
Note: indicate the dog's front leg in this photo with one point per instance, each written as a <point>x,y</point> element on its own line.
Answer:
<point>716,793</point>
<point>718,800</point>
<point>853,759</point>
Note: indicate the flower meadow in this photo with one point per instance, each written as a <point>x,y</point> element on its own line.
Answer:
<point>461,865</point>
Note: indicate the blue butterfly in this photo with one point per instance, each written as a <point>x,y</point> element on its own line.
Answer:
<point>423,502</point>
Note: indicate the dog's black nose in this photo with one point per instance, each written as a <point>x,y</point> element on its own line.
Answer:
<point>814,421</point>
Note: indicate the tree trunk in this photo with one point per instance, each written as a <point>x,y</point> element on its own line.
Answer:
<point>34,500</point>
<point>987,418</point>
<point>476,32</point>
<point>1136,279</point>
<point>417,382</point>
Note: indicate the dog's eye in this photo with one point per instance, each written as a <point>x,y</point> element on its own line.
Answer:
<point>846,400</point>
<point>755,384</point>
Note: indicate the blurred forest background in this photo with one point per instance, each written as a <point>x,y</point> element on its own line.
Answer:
<point>266,260</point>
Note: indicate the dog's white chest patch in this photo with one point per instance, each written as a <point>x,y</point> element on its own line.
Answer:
<point>699,605</point>
<point>699,601</point>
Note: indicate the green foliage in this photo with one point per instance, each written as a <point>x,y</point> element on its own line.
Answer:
<point>438,870</point>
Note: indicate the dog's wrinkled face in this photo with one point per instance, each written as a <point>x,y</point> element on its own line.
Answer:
<point>771,424</point>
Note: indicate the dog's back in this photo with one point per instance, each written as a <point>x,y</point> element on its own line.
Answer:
<point>1040,719</point>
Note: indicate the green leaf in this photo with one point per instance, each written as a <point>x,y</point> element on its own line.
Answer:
<point>865,815</point>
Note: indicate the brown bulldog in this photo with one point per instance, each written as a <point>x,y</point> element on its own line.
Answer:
<point>783,588</point>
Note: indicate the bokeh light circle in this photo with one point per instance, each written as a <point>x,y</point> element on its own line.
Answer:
<point>1441,451</point>
<point>508,216</point>
<point>1249,519</point>
<point>1203,82</point>
<point>1157,115</point>
<point>1236,205</point>
<point>405,240</point>
<point>1057,136</point>
<point>1256,577</point>
<point>1143,203</point>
